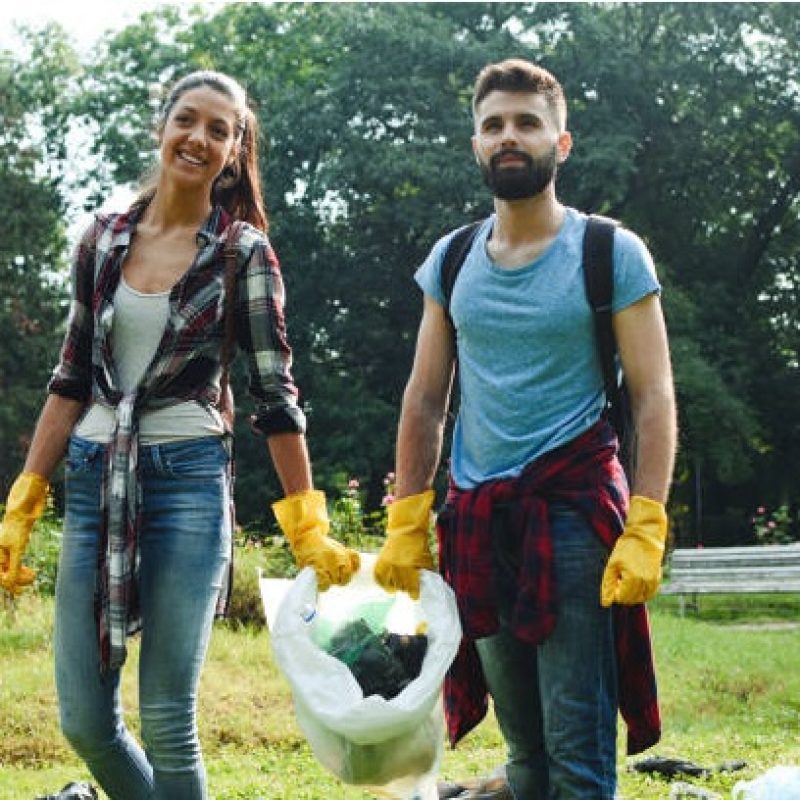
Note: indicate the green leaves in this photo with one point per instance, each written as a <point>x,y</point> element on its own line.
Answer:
<point>685,121</point>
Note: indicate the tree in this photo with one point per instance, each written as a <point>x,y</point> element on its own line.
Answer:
<point>685,122</point>
<point>33,127</point>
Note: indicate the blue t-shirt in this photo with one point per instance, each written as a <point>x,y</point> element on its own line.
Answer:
<point>529,373</point>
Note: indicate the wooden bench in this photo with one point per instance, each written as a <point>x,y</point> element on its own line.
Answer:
<point>733,570</point>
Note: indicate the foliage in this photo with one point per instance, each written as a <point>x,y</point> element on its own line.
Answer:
<point>43,549</point>
<point>35,96</point>
<point>267,552</point>
<point>685,120</point>
<point>774,527</point>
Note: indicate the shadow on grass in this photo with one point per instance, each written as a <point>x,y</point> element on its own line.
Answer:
<point>731,609</point>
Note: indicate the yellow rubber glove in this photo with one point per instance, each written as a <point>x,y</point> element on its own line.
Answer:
<point>24,506</point>
<point>406,551</point>
<point>633,572</point>
<point>303,518</point>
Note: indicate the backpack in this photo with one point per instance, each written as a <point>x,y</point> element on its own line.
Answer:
<point>598,269</point>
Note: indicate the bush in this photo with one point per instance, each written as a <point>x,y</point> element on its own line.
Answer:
<point>774,527</point>
<point>43,550</point>
<point>252,553</point>
<point>269,551</point>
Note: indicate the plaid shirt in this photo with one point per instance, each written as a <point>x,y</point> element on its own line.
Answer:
<point>586,475</point>
<point>186,366</point>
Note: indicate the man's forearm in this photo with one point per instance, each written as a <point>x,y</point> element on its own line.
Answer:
<point>419,447</point>
<point>656,436</point>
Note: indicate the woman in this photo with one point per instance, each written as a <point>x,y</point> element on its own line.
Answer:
<point>135,402</point>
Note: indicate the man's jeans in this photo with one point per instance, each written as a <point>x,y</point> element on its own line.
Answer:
<point>185,549</point>
<point>556,703</point>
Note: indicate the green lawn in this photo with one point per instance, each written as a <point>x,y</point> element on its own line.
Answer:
<point>729,683</point>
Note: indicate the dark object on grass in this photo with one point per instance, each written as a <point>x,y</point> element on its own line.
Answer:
<point>731,766</point>
<point>73,791</point>
<point>670,767</point>
<point>378,666</point>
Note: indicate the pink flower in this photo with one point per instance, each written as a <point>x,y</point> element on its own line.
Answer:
<point>770,524</point>
<point>353,484</point>
<point>390,475</point>
<point>760,510</point>
<point>387,500</point>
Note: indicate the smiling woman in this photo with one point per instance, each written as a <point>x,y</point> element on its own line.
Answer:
<point>138,401</point>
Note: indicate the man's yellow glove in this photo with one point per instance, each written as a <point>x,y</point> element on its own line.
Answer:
<point>24,506</point>
<point>303,518</point>
<point>406,551</point>
<point>633,572</point>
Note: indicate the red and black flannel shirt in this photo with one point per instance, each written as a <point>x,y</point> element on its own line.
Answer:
<point>586,475</point>
<point>186,366</point>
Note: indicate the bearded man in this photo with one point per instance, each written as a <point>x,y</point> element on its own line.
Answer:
<point>550,555</point>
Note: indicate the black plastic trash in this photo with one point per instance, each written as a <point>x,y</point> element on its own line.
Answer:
<point>409,650</point>
<point>382,664</point>
<point>73,791</point>
<point>669,767</point>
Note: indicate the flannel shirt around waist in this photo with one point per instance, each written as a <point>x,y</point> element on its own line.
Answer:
<point>186,366</point>
<point>586,475</point>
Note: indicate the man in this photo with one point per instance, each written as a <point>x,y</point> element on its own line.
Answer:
<point>538,498</point>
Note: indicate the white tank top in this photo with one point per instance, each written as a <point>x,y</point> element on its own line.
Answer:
<point>136,330</point>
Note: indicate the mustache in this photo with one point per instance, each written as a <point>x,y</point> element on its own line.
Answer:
<point>497,157</point>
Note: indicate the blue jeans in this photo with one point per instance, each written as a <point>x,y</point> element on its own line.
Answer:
<point>185,550</point>
<point>556,703</point>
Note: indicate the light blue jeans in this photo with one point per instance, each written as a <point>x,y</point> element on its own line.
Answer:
<point>556,703</point>
<point>185,550</point>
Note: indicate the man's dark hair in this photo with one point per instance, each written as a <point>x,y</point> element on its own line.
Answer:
<point>518,75</point>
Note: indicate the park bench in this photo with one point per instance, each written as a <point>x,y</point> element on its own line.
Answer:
<point>732,570</point>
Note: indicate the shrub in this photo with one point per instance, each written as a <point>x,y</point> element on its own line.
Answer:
<point>43,550</point>
<point>774,527</point>
<point>254,552</point>
<point>269,551</point>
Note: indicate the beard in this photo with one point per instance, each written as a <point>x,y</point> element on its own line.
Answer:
<point>519,183</point>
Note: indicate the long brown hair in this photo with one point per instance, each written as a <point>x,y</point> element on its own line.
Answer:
<point>238,187</point>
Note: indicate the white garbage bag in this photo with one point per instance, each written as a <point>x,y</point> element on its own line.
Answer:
<point>391,747</point>
<point>778,783</point>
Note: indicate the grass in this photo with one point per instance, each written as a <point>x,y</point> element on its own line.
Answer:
<point>729,683</point>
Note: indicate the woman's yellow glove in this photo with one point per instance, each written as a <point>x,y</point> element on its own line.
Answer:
<point>24,506</point>
<point>633,572</point>
<point>406,551</point>
<point>303,518</point>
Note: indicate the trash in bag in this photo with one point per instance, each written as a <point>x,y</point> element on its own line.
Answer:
<point>391,746</point>
<point>409,650</point>
<point>778,783</point>
<point>382,663</point>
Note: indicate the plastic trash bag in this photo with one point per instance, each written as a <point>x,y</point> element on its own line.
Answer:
<point>392,747</point>
<point>778,783</point>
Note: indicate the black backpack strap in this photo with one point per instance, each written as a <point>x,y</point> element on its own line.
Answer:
<point>598,274</point>
<point>457,249</point>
